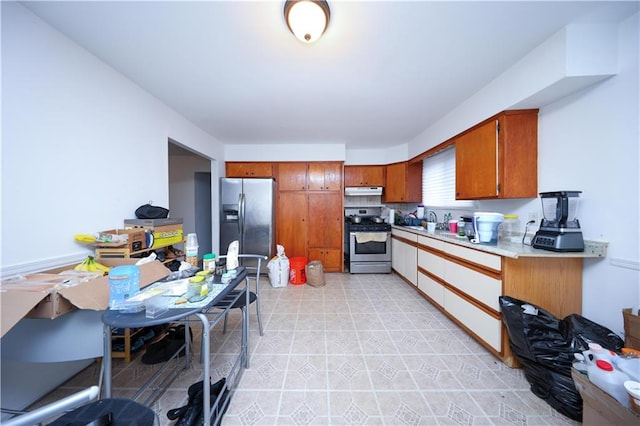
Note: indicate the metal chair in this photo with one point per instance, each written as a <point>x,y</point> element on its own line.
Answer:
<point>253,273</point>
<point>80,408</point>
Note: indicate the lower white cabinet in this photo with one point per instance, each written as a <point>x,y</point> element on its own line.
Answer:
<point>483,325</point>
<point>431,288</point>
<point>404,255</point>
<point>466,283</point>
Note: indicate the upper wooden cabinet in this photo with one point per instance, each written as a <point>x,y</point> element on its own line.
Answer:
<point>403,183</point>
<point>292,176</point>
<point>243,170</point>
<point>364,175</point>
<point>498,158</point>
<point>325,176</point>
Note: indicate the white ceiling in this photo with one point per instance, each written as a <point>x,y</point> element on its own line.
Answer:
<point>382,73</point>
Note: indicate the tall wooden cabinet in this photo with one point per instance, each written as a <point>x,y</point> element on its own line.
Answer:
<point>364,176</point>
<point>309,213</point>
<point>403,183</point>
<point>498,158</point>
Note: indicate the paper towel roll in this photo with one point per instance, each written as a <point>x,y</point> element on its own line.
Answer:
<point>392,216</point>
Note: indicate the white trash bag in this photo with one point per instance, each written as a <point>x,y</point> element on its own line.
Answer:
<point>279,269</point>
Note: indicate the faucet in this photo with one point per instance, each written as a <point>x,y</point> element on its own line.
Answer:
<point>433,214</point>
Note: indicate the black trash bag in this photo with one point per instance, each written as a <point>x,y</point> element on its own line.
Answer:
<point>537,338</point>
<point>192,414</point>
<point>545,346</point>
<point>147,211</point>
<point>584,331</point>
<point>555,389</point>
<point>550,341</point>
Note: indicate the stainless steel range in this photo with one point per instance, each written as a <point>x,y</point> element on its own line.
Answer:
<point>367,242</point>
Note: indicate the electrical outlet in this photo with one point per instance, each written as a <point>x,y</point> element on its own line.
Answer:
<point>596,247</point>
<point>533,216</point>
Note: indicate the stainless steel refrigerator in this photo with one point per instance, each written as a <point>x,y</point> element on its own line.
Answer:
<point>247,215</point>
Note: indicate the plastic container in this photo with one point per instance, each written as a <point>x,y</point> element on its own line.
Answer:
<point>510,228</point>
<point>209,262</point>
<point>297,274</point>
<point>124,282</point>
<point>191,250</point>
<point>420,212</point>
<point>486,227</point>
<point>606,377</point>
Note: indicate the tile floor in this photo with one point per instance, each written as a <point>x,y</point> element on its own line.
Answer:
<point>362,350</point>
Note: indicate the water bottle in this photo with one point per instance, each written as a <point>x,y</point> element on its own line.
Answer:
<point>191,250</point>
<point>602,374</point>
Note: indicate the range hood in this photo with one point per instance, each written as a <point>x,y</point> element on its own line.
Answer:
<point>359,191</point>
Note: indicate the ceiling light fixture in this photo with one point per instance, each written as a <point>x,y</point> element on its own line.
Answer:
<point>307,19</point>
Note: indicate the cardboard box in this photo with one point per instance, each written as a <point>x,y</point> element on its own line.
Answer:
<point>50,295</point>
<point>600,408</point>
<point>164,236</point>
<point>631,329</point>
<point>136,239</point>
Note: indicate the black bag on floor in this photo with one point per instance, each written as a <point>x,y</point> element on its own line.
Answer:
<point>192,413</point>
<point>545,346</point>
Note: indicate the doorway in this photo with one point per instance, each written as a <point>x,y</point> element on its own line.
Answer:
<point>191,196</point>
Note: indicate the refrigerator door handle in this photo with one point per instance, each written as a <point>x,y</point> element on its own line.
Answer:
<point>240,213</point>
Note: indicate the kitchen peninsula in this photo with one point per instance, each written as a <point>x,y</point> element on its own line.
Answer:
<point>464,280</point>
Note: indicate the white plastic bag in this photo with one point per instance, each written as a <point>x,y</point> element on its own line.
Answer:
<point>232,255</point>
<point>279,269</point>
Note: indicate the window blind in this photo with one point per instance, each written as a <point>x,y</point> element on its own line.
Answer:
<point>439,181</point>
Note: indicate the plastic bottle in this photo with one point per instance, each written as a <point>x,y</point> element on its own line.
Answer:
<point>596,352</point>
<point>191,250</point>
<point>209,262</point>
<point>606,377</point>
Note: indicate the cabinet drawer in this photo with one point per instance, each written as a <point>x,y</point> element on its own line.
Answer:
<point>475,319</point>
<point>409,236</point>
<point>431,288</point>
<point>431,242</point>
<point>481,287</point>
<point>431,262</point>
<point>491,261</point>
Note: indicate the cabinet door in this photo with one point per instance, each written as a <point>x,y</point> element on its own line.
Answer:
<point>403,183</point>
<point>477,163</point>
<point>325,176</point>
<point>326,220</point>
<point>364,176</point>
<point>292,219</point>
<point>292,176</point>
<point>332,260</point>
<point>243,170</point>
<point>395,184</point>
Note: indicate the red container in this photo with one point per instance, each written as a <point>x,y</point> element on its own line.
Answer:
<point>297,273</point>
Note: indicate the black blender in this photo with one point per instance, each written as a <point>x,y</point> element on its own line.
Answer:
<point>560,229</point>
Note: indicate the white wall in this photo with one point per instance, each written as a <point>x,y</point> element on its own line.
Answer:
<point>82,146</point>
<point>588,140</point>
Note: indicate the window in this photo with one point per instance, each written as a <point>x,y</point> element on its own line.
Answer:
<point>439,181</point>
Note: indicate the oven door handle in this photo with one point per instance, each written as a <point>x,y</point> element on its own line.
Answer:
<point>370,232</point>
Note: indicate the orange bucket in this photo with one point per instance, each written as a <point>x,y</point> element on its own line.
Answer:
<point>297,273</point>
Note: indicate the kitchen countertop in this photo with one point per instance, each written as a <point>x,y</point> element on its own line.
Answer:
<point>504,248</point>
